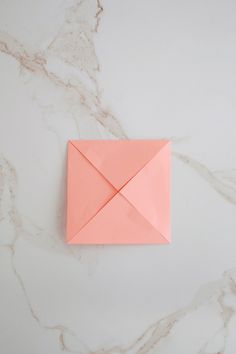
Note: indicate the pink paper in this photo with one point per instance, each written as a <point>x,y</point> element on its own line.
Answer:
<point>118,192</point>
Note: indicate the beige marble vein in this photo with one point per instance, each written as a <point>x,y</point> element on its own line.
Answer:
<point>154,339</point>
<point>97,16</point>
<point>223,182</point>
<point>8,210</point>
<point>10,214</point>
<point>73,45</point>
<point>63,331</point>
<point>68,63</point>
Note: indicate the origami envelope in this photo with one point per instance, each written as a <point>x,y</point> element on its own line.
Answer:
<point>118,192</point>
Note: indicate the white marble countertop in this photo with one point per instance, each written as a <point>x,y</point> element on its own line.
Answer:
<point>117,69</point>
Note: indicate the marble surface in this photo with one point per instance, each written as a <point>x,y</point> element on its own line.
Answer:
<point>117,69</point>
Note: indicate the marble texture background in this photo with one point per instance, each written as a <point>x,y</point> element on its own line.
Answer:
<point>117,69</point>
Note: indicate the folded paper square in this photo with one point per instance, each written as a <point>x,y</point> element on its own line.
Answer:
<point>118,192</point>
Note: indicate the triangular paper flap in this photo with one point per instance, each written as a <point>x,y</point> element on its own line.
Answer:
<point>87,191</point>
<point>118,222</point>
<point>149,191</point>
<point>119,160</point>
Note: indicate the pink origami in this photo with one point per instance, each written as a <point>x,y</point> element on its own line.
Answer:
<point>118,192</point>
